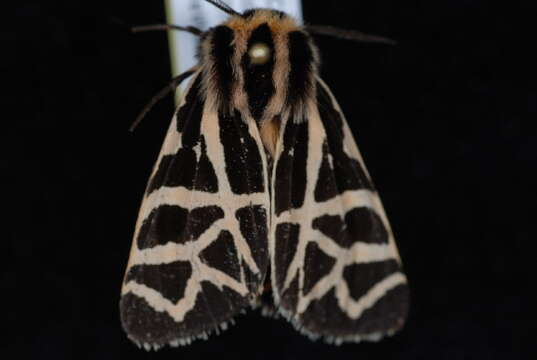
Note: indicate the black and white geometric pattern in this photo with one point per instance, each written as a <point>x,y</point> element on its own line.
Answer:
<point>200,250</point>
<point>259,182</point>
<point>335,266</point>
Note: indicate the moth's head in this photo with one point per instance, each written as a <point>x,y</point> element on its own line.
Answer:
<point>260,60</point>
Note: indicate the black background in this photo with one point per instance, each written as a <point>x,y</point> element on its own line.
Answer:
<point>446,121</point>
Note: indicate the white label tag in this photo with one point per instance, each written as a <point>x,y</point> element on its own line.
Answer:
<point>203,15</point>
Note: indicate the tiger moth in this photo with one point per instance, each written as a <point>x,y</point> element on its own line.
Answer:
<point>260,198</point>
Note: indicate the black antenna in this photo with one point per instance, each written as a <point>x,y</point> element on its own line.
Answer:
<point>347,34</point>
<point>172,86</point>
<point>191,29</point>
<point>224,7</point>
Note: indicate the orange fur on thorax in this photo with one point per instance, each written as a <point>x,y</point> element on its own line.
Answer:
<point>243,26</point>
<point>269,132</point>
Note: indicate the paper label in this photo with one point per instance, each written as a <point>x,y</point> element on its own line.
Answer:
<point>203,15</point>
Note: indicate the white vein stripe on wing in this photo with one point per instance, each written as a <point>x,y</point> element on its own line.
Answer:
<point>355,309</point>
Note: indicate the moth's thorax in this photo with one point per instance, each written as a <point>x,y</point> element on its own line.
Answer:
<point>278,21</point>
<point>276,86</point>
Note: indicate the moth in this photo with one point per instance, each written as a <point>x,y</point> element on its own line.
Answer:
<point>260,197</point>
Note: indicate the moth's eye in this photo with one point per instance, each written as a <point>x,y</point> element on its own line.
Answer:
<point>259,53</point>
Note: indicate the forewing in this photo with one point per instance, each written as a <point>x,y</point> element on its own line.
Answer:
<point>199,253</point>
<point>336,272</point>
